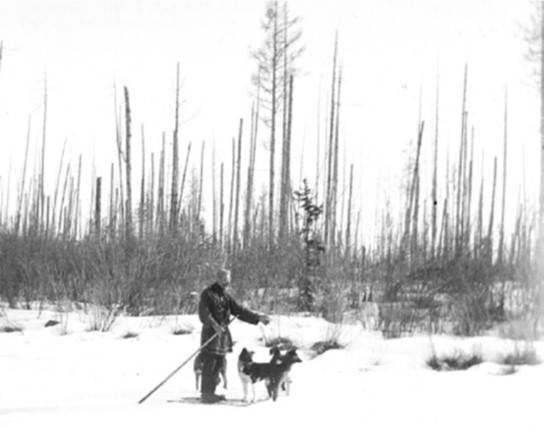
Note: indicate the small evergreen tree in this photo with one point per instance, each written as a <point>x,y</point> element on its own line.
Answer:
<point>312,245</point>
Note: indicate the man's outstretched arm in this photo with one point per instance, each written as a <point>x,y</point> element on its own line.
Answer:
<point>246,315</point>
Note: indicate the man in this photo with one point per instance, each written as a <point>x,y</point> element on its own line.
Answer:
<point>214,310</point>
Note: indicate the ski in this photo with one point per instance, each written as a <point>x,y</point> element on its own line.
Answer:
<point>229,402</point>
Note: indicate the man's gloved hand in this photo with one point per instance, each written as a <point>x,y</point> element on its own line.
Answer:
<point>263,318</point>
<point>216,327</point>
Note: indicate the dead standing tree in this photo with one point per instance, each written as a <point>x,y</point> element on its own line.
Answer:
<point>285,193</point>
<point>329,152</point>
<point>434,197</point>
<point>275,63</point>
<point>175,162</point>
<point>535,54</point>
<point>291,50</point>
<point>235,239</point>
<point>128,207</point>
<point>250,175</point>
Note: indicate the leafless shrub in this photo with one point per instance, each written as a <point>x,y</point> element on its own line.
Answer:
<point>64,308</point>
<point>521,329</point>
<point>101,319</point>
<point>7,325</point>
<point>333,339</point>
<point>129,334</point>
<point>521,354</point>
<point>398,319</point>
<point>523,333</point>
<point>272,336</point>
<point>321,347</point>
<point>11,328</point>
<point>181,328</point>
<point>456,360</point>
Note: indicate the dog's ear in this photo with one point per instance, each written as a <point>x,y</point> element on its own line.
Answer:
<point>293,355</point>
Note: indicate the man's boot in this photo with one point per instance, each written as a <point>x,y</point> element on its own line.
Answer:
<point>210,398</point>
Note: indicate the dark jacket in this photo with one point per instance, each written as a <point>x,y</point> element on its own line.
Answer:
<point>216,304</point>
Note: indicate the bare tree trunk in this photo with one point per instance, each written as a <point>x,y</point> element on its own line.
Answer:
<point>231,197</point>
<point>214,199</point>
<point>66,178</point>
<point>356,234</point>
<point>200,185</point>
<point>42,170</point>
<point>464,187</point>
<point>250,173</point>
<point>112,210</point>
<point>468,207</point>
<point>503,201</point>
<point>120,156</point>
<point>237,199</point>
<point>151,196</point>
<point>98,208</point>
<point>175,163</point>
<point>47,216</point>
<point>415,223</point>
<point>443,237</point>
<point>425,233</point>
<point>335,161</point>
<point>69,211</point>
<point>71,208</point>
<point>348,225</point>
<point>460,174</point>
<point>21,193</point>
<point>128,222</point>
<point>273,128</point>
<point>282,223</point>
<point>92,202</point>
<point>480,223</point>
<point>318,145</point>
<point>186,165</point>
<point>410,230</point>
<point>492,214</point>
<point>540,235</point>
<point>342,205</point>
<point>160,194</point>
<point>221,207</point>
<point>330,158</point>
<point>77,198</point>
<point>142,189</point>
<point>541,196</point>
<point>286,174</point>
<point>55,196</point>
<point>288,157</point>
<point>435,175</point>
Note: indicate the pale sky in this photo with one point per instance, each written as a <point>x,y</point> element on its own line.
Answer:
<point>390,51</point>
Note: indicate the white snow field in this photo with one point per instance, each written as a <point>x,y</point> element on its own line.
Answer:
<point>91,382</point>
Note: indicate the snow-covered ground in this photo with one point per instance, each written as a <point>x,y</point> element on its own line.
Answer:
<point>91,382</point>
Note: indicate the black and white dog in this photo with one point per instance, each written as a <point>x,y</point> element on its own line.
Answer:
<point>274,373</point>
<point>277,358</point>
